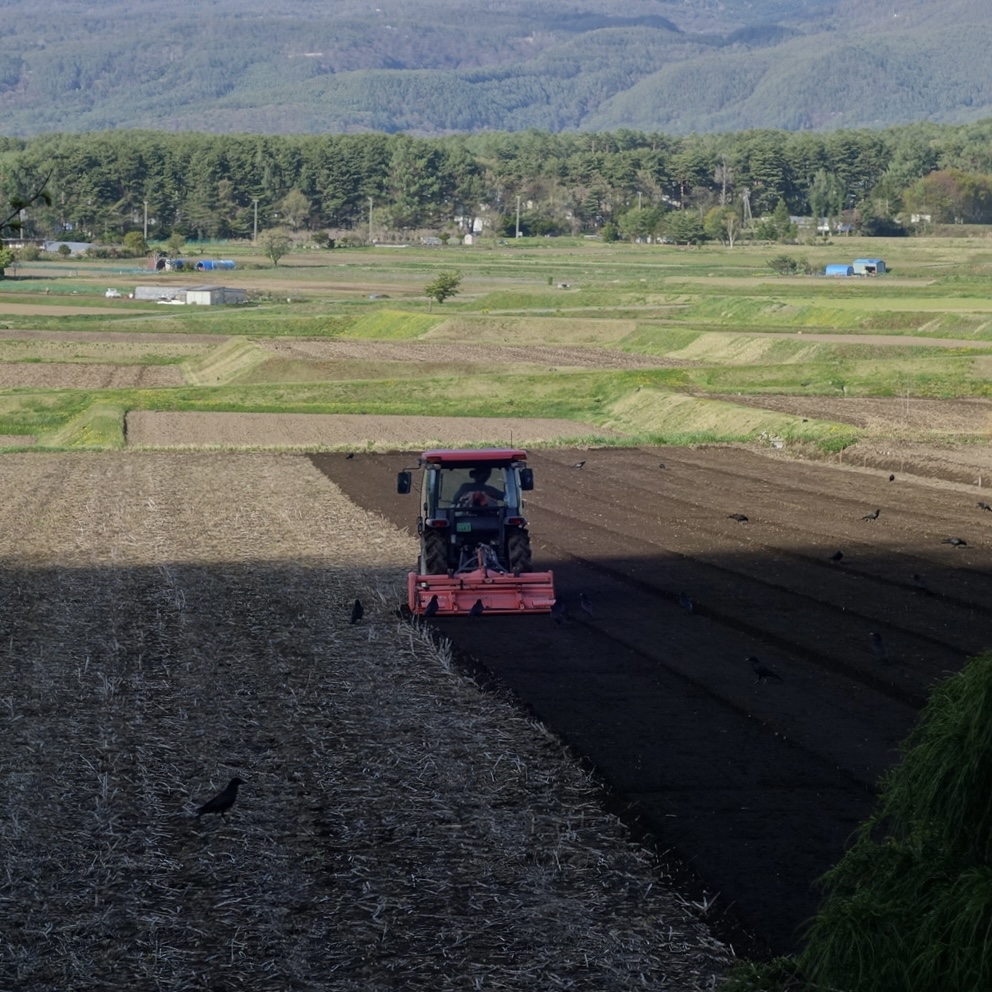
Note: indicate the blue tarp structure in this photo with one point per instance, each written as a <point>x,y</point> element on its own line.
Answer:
<point>839,270</point>
<point>207,264</point>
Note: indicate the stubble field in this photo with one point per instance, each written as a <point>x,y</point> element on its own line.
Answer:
<point>171,621</point>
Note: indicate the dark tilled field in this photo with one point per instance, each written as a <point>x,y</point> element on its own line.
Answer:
<point>752,786</point>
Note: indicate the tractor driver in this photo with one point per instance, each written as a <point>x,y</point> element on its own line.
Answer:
<point>477,492</point>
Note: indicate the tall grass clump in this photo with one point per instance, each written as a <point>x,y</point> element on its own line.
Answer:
<point>909,907</point>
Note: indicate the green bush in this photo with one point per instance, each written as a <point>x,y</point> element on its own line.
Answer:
<point>135,245</point>
<point>909,907</point>
<point>786,265</point>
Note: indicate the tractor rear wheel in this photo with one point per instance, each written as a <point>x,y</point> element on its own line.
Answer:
<point>434,554</point>
<point>518,550</point>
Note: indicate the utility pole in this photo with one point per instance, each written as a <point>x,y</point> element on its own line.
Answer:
<point>370,220</point>
<point>518,216</point>
<point>254,230</point>
<point>639,195</point>
<point>146,220</point>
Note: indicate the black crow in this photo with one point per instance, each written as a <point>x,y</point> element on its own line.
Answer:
<point>871,516</point>
<point>920,582</point>
<point>762,672</point>
<point>983,505</point>
<point>579,464</point>
<point>958,542</point>
<point>432,606</point>
<point>739,517</point>
<point>477,609</point>
<point>559,611</point>
<point>357,611</point>
<point>661,464</point>
<point>686,603</point>
<point>879,646</point>
<point>223,801</point>
<point>837,555</point>
<point>584,605</point>
<point>351,454</point>
<point>892,478</point>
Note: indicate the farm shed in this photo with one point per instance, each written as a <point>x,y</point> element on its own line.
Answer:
<point>177,293</point>
<point>194,295</point>
<point>214,295</point>
<point>869,267</point>
<point>839,270</point>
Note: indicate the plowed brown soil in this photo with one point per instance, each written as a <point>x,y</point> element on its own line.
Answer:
<point>154,429</point>
<point>756,786</point>
<point>66,375</point>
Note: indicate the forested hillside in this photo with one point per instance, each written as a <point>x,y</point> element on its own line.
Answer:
<point>433,67</point>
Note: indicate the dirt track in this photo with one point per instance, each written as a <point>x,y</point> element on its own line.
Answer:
<point>756,786</point>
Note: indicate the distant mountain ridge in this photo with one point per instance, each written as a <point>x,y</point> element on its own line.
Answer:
<point>433,67</point>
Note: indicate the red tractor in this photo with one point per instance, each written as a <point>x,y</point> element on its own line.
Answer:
<point>475,552</point>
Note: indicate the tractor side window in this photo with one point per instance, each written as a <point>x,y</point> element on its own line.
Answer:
<point>426,490</point>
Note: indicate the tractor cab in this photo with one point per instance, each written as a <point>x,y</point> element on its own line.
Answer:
<point>471,515</point>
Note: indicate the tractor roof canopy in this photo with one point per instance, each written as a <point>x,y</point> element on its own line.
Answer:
<point>472,456</point>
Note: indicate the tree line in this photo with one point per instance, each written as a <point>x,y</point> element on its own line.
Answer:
<point>100,186</point>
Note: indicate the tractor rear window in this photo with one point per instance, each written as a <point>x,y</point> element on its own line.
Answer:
<point>459,485</point>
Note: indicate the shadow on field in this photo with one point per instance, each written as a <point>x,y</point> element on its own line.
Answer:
<point>391,819</point>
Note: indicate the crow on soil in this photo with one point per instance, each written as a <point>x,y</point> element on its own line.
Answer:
<point>892,478</point>
<point>982,505</point>
<point>584,605</point>
<point>739,517</point>
<point>357,611</point>
<point>837,555</point>
<point>351,454</point>
<point>762,672</point>
<point>871,516</point>
<point>879,646</point>
<point>579,464</point>
<point>477,609</point>
<point>559,611</point>
<point>957,542</point>
<point>223,801</point>
<point>432,607</point>
<point>686,603</point>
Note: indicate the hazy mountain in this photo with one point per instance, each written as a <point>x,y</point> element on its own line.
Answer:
<point>437,66</point>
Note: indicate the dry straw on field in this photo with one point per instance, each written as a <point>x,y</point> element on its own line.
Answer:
<point>173,621</point>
